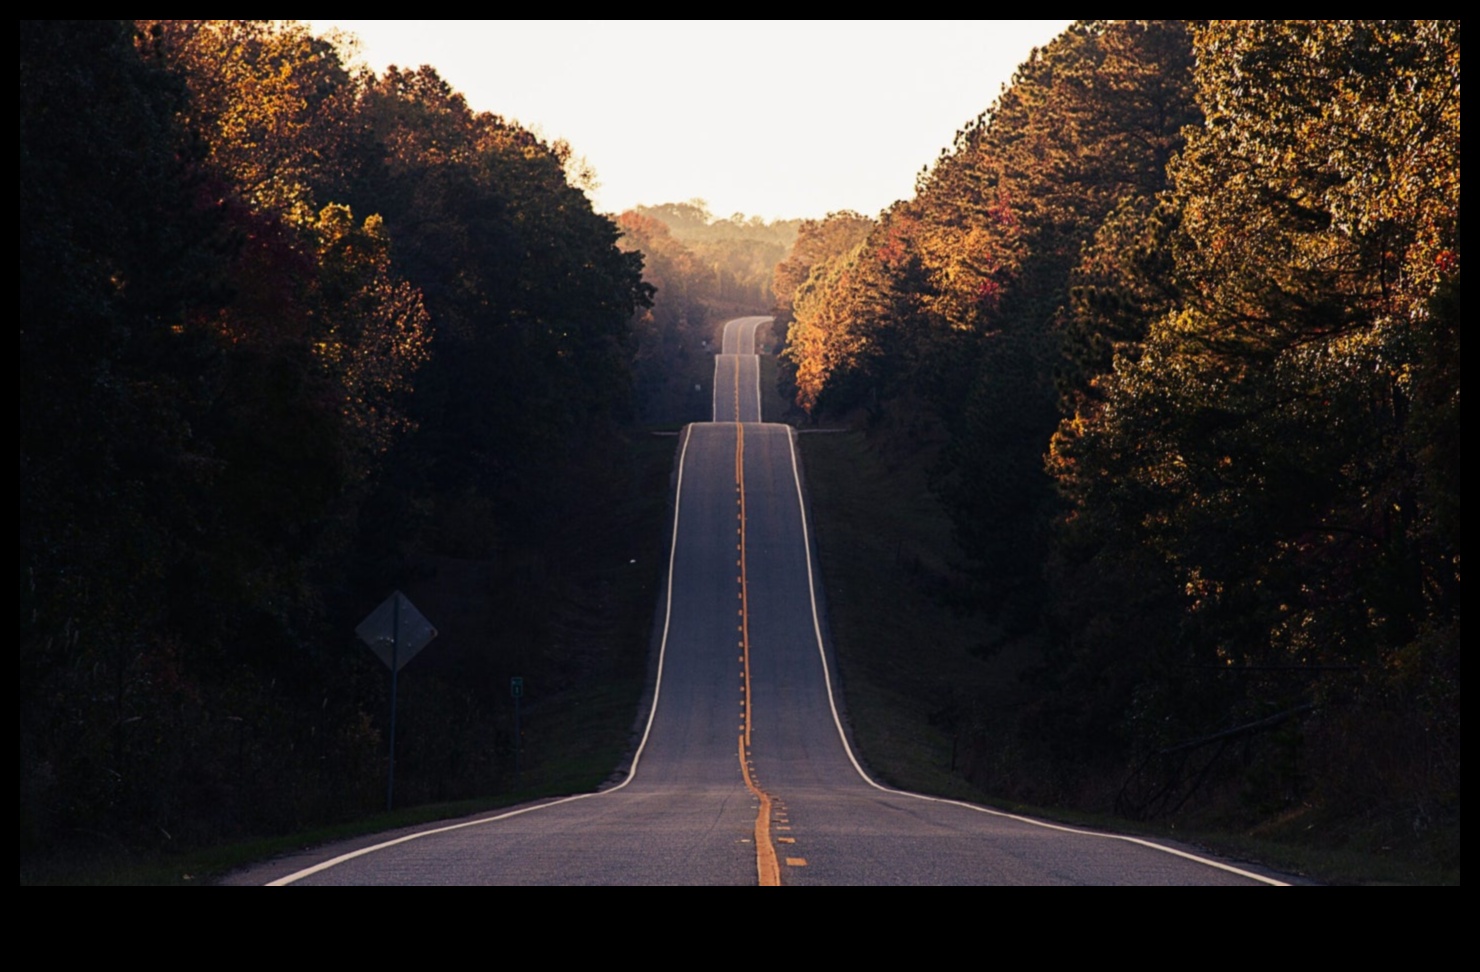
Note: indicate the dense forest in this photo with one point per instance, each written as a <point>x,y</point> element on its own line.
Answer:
<point>738,252</point>
<point>1176,325</point>
<point>292,334</point>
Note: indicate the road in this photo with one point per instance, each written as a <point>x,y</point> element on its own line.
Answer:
<point>744,774</point>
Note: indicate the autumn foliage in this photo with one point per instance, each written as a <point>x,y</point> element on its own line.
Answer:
<point>1182,311</point>
<point>280,319</point>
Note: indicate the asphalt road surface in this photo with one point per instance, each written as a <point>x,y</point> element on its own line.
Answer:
<point>744,775</point>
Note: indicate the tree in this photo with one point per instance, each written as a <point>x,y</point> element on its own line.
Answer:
<point>817,242</point>
<point>670,332</point>
<point>271,102</point>
<point>1086,128</point>
<point>1260,442</point>
<point>532,299</point>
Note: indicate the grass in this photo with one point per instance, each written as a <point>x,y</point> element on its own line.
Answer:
<point>911,674</point>
<point>914,676</point>
<point>774,406</point>
<point>118,866</point>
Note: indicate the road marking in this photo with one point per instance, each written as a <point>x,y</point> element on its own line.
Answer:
<point>796,862</point>
<point>744,591</point>
<point>768,873</point>
<point>759,413</point>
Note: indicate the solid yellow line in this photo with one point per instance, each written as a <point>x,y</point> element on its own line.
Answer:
<point>768,871</point>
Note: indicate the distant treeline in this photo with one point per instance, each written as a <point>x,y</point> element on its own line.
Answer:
<point>1177,324</point>
<point>703,270</point>
<point>288,329</point>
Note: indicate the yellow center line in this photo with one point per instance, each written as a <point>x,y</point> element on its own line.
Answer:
<point>768,869</point>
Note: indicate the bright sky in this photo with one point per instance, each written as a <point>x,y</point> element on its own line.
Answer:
<point>778,119</point>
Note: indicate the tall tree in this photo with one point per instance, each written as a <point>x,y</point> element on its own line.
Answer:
<point>531,296</point>
<point>818,240</point>
<point>1087,126</point>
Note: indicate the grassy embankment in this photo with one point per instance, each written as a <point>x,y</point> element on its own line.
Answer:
<point>913,678</point>
<point>574,736</point>
<point>905,658</point>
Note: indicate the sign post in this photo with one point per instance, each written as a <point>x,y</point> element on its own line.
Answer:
<point>516,689</point>
<point>395,631</point>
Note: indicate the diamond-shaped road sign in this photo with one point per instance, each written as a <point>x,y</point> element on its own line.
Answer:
<point>379,630</point>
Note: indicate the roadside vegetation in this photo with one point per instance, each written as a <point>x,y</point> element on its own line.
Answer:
<point>1171,336</point>
<point>932,712</point>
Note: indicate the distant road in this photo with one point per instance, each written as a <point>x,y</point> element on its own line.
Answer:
<point>744,775</point>
<point>737,373</point>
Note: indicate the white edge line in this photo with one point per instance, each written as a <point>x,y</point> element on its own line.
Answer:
<point>636,758</point>
<point>667,614</point>
<point>838,723</point>
<point>760,415</point>
<point>714,394</point>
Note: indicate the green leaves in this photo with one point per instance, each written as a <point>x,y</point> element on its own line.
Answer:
<point>1259,441</point>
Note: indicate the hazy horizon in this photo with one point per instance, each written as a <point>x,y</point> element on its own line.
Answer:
<point>756,117</point>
